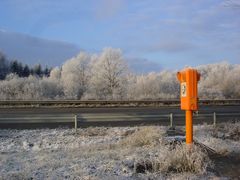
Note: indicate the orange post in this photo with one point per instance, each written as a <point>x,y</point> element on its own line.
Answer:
<point>189,97</point>
<point>189,127</point>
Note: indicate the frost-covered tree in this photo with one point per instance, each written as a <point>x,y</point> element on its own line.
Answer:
<point>55,78</point>
<point>106,76</point>
<point>220,80</point>
<point>55,74</point>
<point>168,85</point>
<point>75,76</point>
<point>145,86</point>
<point>161,85</point>
<point>15,87</point>
<point>233,82</point>
<point>109,75</point>
<point>29,88</point>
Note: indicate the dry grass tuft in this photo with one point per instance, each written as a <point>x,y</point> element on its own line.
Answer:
<point>144,136</point>
<point>227,131</point>
<point>180,159</point>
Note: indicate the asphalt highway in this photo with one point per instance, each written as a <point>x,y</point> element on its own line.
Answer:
<point>50,117</point>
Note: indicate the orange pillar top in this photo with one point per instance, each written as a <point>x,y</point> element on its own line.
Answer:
<point>189,92</point>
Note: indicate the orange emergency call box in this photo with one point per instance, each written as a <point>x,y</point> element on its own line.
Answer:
<point>189,98</point>
<point>189,92</point>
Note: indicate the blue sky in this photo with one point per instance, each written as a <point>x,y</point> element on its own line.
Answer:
<point>172,33</point>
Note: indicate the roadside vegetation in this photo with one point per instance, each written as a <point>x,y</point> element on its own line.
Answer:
<point>106,76</point>
<point>114,153</point>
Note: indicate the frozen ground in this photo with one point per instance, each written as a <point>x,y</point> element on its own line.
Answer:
<point>112,153</point>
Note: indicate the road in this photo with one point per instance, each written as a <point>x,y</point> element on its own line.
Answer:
<point>54,117</point>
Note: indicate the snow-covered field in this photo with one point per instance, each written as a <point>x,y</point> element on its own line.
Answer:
<point>111,153</point>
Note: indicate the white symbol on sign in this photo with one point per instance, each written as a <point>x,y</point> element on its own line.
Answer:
<point>183,89</point>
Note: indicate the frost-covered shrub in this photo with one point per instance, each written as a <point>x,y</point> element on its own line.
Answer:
<point>177,160</point>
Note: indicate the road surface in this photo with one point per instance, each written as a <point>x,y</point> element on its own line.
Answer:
<point>54,117</point>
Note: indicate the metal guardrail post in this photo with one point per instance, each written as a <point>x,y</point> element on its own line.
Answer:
<point>75,119</point>
<point>214,119</point>
<point>171,119</point>
<point>196,113</point>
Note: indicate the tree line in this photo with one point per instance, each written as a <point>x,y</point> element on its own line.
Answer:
<point>106,76</point>
<point>22,70</point>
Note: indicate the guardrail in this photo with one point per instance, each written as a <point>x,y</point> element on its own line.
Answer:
<point>128,119</point>
<point>213,116</point>
<point>127,103</point>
